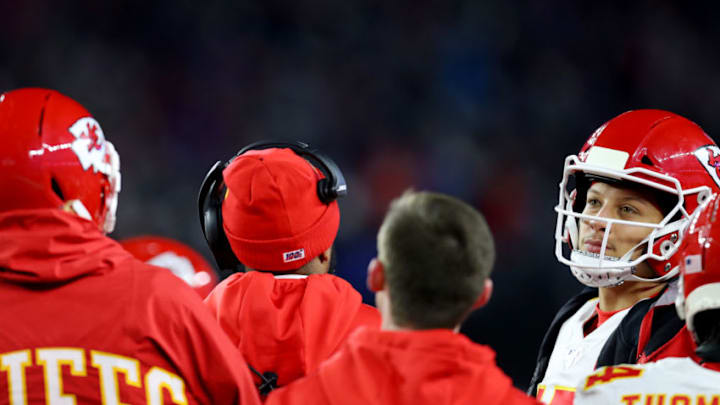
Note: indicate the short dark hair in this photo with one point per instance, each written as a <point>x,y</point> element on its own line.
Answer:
<point>437,252</point>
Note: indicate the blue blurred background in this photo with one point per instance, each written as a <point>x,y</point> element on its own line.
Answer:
<point>478,99</point>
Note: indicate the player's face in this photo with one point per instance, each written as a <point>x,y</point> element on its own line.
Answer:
<point>607,201</point>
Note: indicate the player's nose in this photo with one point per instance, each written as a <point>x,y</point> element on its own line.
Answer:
<point>598,222</point>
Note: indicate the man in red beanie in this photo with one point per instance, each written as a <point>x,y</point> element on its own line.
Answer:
<point>286,313</point>
<point>435,254</point>
<point>83,321</point>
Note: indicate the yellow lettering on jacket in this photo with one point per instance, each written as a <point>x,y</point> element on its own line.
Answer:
<point>112,369</point>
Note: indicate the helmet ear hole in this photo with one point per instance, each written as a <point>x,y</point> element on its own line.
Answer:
<point>56,188</point>
<point>666,247</point>
<point>703,196</point>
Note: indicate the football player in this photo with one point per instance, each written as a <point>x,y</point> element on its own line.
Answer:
<point>623,202</point>
<point>678,380</point>
<point>83,320</point>
<point>182,260</point>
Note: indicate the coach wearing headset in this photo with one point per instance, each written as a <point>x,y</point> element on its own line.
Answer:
<point>270,217</point>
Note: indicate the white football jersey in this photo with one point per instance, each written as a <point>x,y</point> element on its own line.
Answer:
<point>670,381</point>
<point>575,355</point>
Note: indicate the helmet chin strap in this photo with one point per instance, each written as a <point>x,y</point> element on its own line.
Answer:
<point>589,272</point>
<point>588,269</point>
<point>79,209</point>
<point>676,226</point>
<point>669,275</point>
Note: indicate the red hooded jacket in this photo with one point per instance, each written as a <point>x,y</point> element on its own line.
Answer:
<point>288,324</point>
<point>434,367</point>
<point>81,318</point>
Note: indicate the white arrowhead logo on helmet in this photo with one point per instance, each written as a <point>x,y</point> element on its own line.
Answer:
<point>709,156</point>
<point>89,145</point>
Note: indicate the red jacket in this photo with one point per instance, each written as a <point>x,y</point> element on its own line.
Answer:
<point>434,367</point>
<point>81,318</point>
<point>288,324</point>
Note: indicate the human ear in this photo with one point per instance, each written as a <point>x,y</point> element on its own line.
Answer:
<point>375,275</point>
<point>483,298</point>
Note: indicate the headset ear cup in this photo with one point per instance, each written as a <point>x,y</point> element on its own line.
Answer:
<point>205,200</point>
<point>325,191</point>
<point>334,184</point>
<point>210,201</point>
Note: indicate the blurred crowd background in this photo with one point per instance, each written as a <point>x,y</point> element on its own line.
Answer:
<point>478,99</point>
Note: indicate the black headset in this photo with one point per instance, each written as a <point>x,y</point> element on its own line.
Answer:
<point>213,189</point>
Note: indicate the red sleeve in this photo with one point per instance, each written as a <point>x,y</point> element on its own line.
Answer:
<point>214,371</point>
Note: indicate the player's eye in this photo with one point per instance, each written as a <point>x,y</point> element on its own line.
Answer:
<point>628,209</point>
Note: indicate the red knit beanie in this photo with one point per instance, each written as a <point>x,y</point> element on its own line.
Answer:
<point>272,215</point>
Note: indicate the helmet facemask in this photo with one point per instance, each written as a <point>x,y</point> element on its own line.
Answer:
<point>663,240</point>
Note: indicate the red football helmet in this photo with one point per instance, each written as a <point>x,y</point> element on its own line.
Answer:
<point>54,154</point>
<point>700,266</point>
<point>177,257</point>
<point>650,148</point>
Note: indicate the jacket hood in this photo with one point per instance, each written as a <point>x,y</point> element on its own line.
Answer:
<point>436,366</point>
<point>288,324</point>
<point>45,246</point>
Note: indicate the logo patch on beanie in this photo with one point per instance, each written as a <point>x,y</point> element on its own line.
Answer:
<point>294,255</point>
